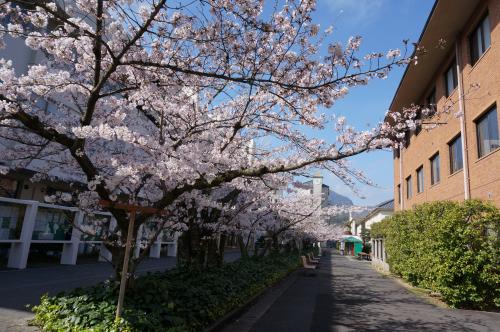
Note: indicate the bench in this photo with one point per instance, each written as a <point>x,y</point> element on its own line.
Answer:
<point>363,256</point>
<point>306,264</point>
<point>311,259</point>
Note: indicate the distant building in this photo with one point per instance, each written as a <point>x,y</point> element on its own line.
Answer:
<point>460,158</point>
<point>318,189</point>
<point>325,196</point>
<point>379,213</point>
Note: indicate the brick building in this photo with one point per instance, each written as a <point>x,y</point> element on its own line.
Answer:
<point>455,155</point>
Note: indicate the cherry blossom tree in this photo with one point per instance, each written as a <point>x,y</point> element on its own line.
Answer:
<point>170,104</point>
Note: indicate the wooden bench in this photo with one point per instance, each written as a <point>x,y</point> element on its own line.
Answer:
<point>363,256</point>
<point>306,264</point>
<point>311,259</point>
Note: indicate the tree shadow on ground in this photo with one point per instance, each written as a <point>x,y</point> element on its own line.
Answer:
<point>354,297</point>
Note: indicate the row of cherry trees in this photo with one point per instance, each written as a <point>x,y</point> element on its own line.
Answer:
<point>196,108</point>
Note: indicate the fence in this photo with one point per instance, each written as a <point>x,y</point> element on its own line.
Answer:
<point>379,256</point>
<point>23,222</point>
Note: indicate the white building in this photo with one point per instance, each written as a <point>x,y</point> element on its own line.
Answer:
<point>381,211</point>
<point>27,222</point>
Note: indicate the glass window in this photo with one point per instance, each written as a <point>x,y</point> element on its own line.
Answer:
<point>480,39</point>
<point>395,153</point>
<point>487,132</point>
<point>420,179</point>
<point>451,78</point>
<point>409,189</point>
<point>430,101</point>
<point>456,159</point>
<point>435,169</point>
<point>407,139</point>
<point>418,120</point>
<point>399,193</point>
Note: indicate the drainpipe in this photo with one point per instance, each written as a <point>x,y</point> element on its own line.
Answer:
<point>401,189</point>
<point>463,128</point>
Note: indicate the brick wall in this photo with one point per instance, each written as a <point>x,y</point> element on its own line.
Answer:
<point>484,172</point>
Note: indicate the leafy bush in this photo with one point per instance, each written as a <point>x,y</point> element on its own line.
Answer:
<point>176,300</point>
<point>448,247</point>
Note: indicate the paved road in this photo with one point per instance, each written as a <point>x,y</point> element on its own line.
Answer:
<point>21,287</point>
<point>348,295</point>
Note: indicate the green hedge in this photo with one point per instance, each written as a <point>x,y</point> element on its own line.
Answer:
<point>176,300</point>
<point>448,247</point>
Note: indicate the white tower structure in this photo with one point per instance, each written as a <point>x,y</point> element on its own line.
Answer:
<point>317,188</point>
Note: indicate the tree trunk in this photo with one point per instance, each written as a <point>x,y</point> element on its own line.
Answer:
<point>267,246</point>
<point>189,249</point>
<point>243,247</point>
<point>222,247</point>
<point>275,243</point>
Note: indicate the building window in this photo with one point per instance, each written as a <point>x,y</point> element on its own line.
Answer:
<point>409,189</point>
<point>480,39</point>
<point>435,169</point>
<point>407,139</point>
<point>456,159</point>
<point>395,153</point>
<point>430,101</point>
<point>451,78</point>
<point>487,132</point>
<point>418,124</point>
<point>399,193</point>
<point>420,179</point>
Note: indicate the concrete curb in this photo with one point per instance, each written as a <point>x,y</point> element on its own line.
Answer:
<point>281,285</point>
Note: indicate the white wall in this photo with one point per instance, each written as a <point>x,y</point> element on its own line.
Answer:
<point>378,217</point>
<point>353,227</point>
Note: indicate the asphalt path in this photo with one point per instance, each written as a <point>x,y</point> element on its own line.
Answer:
<point>349,295</point>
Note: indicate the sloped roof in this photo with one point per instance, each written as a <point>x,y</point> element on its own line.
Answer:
<point>384,206</point>
<point>444,23</point>
<point>389,204</point>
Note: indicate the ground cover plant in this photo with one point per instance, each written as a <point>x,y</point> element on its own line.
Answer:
<point>176,300</point>
<point>447,247</point>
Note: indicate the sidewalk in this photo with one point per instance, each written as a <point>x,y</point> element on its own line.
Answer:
<point>348,295</point>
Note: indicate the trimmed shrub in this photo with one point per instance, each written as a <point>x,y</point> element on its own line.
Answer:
<point>448,247</point>
<point>176,300</point>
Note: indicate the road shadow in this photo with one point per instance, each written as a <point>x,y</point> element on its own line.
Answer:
<point>360,299</point>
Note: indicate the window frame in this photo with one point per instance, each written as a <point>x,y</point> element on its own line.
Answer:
<point>479,28</point>
<point>399,193</point>
<point>477,121</point>
<point>420,179</point>
<point>407,139</point>
<point>418,127</point>
<point>409,187</point>
<point>450,150</point>
<point>435,177</point>
<point>430,102</point>
<point>453,68</point>
<point>395,153</point>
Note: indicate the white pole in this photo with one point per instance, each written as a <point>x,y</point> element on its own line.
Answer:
<point>463,131</point>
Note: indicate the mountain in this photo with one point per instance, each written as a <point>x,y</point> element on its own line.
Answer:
<point>338,199</point>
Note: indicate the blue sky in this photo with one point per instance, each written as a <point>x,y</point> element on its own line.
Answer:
<point>383,24</point>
